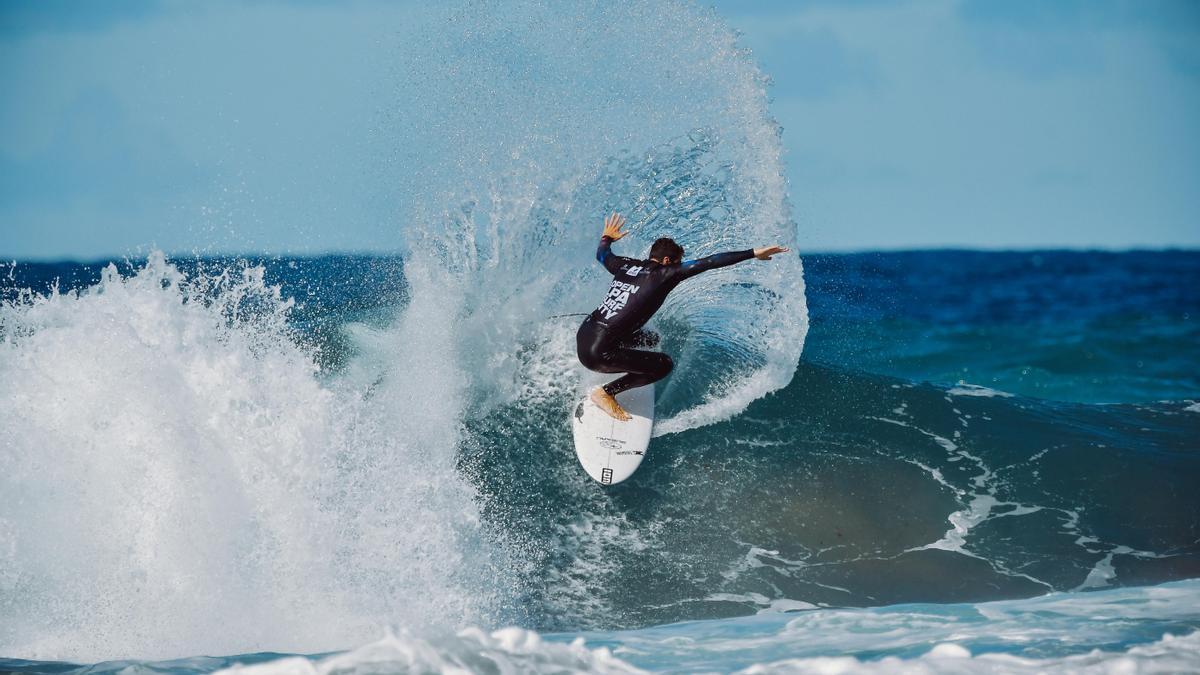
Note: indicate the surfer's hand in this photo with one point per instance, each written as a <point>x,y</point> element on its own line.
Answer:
<point>613,225</point>
<point>766,252</point>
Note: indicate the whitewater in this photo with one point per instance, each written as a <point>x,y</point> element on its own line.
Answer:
<point>363,463</point>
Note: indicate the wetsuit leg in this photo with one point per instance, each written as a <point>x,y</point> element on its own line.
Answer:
<point>599,351</point>
<point>641,368</point>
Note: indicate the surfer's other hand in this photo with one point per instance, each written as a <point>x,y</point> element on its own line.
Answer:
<point>613,225</point>
<point>766,252</point>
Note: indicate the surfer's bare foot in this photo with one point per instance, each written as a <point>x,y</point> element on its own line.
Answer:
<point>608,403</point>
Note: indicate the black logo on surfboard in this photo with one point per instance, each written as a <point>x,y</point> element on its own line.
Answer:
<point>606,476</point>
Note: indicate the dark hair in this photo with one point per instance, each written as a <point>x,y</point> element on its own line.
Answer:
<point>666,247</point>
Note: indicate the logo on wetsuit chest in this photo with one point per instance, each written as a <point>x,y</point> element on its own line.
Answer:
<point>618,295</point>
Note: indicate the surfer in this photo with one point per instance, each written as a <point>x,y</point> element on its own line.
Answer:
<point>607,339</point>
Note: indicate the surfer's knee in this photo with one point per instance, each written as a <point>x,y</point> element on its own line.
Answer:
<point>588,355</point>
<point>585,357</point>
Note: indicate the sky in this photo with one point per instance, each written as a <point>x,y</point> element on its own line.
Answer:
<point>221,126</point>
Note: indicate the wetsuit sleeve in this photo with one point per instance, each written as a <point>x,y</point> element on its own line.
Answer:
<point>691,268</point>
<point>611,262</point>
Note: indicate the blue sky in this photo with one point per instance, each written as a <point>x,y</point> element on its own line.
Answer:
<point>222,126</point>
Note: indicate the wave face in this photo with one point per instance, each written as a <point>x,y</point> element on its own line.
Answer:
<point>847,489</point>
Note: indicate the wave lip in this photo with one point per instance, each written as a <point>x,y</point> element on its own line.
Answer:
<point>509,230</point>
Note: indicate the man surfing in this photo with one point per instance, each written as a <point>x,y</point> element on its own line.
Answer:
<point>607,339</point>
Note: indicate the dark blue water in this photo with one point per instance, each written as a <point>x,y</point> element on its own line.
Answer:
<point>1093,327</point>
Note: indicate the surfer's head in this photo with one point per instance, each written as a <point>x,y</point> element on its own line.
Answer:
<point>665,251</point>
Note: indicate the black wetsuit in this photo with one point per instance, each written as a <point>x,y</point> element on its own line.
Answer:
<point>607,338</point>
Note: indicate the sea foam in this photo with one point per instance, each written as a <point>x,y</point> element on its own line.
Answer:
<point>178,479</point>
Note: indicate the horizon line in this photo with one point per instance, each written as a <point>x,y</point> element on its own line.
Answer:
<point>10,260</point>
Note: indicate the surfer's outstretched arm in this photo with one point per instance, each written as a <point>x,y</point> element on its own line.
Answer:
<point>612,232</point>
<point>690,268</point>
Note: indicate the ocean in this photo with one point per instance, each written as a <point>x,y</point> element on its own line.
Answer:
<point>981,462</point>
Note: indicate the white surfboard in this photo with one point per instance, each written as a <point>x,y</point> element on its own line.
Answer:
<point>611,450</point>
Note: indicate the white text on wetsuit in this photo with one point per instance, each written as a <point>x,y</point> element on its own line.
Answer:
<point>618,295</point>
